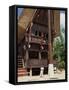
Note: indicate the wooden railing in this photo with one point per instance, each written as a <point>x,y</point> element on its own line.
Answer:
<point>34,39</point>
<point>37,63</point>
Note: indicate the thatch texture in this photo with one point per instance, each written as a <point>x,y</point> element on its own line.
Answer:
<point>24,21</point>
<point>28,15</point>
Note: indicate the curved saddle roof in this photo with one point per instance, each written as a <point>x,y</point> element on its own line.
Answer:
<point>24,21</point>
<point>28,15</point>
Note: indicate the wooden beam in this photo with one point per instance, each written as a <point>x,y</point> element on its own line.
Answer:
<point>39,55</point>
<point>50,57</point>
<point>31,24</point>
<point>27,57</point>
<point>30,72</point>
<point>49,39</point>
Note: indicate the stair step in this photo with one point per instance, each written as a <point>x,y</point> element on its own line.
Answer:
<point>20,67</point>
<point>19,61</point>
<point>20,64</point>
<point>22,70</point>
<point>22,75</point>
<point>19,56</point>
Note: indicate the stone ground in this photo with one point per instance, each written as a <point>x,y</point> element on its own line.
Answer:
<point>57,76</point>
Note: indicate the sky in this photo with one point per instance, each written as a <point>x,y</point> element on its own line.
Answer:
<point>20,11</point>
<point>62,19</point>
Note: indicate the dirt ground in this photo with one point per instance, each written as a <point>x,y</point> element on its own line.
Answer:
<point>57,76</point>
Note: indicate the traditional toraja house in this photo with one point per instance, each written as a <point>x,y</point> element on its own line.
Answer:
<point>36,30</point>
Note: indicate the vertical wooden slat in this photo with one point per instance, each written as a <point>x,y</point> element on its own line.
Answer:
<point>49,39</point>
<point>56,22</point>
<point>39,55</point>
<point>27,57</point>
<point>24,21</point>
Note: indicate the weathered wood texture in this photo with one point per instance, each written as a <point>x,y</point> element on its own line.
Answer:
<point>55,22</point>
<point>24,21</point>
<point>32,63</point>
<point>40,18</point>
<point>41,21</point>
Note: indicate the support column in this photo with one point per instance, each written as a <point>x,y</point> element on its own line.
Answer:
<point>41,71</point>
<point>23,63</point>
<point>50,57</point>
<point>27,57</point>
<point>39,55</point>
<point>42,68</point>
<point>30,72</point>
<point>30,31</point>
<point>31,24</point>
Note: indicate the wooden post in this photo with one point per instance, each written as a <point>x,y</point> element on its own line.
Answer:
<point>28,44</point>
<point>23,63</point>
<point>27,57</point>
<point>30,72</point>
<point>50,57</point>
<point>30,31</point>
<point>41,71</point>
<point>41,68</point>
<point>39,55</point>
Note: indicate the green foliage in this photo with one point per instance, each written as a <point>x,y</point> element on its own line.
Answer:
<point>61,65</point>
<point>59,49</point>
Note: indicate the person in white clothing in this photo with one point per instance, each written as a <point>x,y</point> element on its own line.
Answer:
<point>41,71</point>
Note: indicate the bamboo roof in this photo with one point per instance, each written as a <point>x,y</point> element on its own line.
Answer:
<point>27,17</point>
<point>24,21</point>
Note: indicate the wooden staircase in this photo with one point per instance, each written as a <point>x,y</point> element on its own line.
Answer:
<point>21,71</point>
